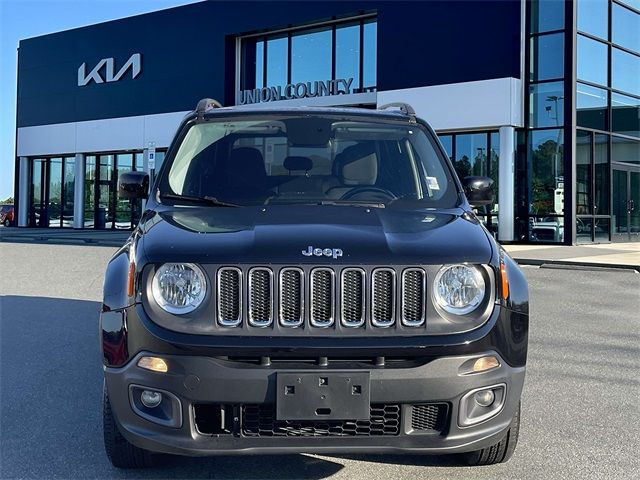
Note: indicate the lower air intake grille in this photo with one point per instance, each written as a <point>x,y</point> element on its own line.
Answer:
<point>260,421</point>
<point>430,417</point>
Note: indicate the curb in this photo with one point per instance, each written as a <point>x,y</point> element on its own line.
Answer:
<point>576,265</point>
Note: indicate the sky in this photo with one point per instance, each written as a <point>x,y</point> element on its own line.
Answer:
<point>21,19</point>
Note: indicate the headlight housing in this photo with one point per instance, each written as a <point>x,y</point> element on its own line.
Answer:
<point>179,288</point>
<point>459,289</point>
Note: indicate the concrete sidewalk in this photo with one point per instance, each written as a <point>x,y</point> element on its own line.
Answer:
<point>615,255</point>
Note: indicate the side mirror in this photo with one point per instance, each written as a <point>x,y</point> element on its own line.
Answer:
<point>133,185</point>
<point>479,190</point>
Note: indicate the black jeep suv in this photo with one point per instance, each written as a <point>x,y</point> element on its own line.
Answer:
<point>311,280</point>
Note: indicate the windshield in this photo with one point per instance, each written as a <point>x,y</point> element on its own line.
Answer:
<point>308,159</point>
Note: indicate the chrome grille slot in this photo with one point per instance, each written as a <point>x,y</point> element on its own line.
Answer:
<point>413,292</point>
<point>260,297</point>
<point>229,298</point>
<point>322,298</point>
<point>352,303</point>
<point>383,288</point>
<point>291,297</point>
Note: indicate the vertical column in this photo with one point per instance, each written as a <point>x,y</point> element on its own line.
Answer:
<point>78,192</point>
<point>23,192</point>
<point>506,184</point>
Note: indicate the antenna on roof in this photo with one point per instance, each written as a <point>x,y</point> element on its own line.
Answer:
<point>206,105</point>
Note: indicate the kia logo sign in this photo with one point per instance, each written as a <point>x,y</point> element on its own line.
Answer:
<point>107,66</point>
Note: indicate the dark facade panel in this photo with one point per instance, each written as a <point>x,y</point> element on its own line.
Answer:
<point>188,53</point>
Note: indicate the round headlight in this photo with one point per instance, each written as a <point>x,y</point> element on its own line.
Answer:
<point>459,289</point>
<point>179,287</point>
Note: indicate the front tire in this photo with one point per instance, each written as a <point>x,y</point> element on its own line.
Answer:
<point>121,453</point>
<point>499,452</point>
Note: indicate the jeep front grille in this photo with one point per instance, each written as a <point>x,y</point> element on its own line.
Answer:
<point>229,296</point>
<point>317,298</point>
<point>260,297</point>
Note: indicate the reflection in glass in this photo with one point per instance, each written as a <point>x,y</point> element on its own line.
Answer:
<point>601,169</point>
<point>310,56</point>
<point>583,173</point>
<point>446,143</point>
<point>471,155</point>
<point>348,53</point>
<point>601,230</point>
<point>625,71</point>
<point>369,54</point>
<point>37,210</point>
<point>106,191</point>
<point>625,27</point>
<point>591,107</point>
<point>625,114</point>
<point>89,191</point>
<point>547,15</point>
<point>592,60</point>
<point>69,187</point>
<point>593,16</point>
<point>546,229</point>
<point>620,202</point>
<point>260,64</point>
<point>625,150</point>
<point>546,172</point>
<point>632,3</point>
<point>123,210</point>
<point>55,192</point>
<point>547,57</point>
<point>546,104</point>
<point>584,227</point>
<point>277,54</point>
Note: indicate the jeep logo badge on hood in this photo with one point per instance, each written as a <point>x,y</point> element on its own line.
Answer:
<point>319,252</point>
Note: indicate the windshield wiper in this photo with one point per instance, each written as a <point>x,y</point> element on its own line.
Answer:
<point>206,200</point>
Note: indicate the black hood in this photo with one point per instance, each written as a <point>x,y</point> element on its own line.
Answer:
<point>279,235</point>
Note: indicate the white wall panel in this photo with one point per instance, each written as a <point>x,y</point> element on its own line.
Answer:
<point>464,106</point>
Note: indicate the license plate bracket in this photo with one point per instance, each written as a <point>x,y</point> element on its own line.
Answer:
<point>323,396</point>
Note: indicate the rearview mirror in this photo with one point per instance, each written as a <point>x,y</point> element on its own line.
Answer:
<point>479,190</point>
<point>133,185</point>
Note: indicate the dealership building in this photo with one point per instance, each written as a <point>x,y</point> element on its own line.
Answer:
<point>543,96</point>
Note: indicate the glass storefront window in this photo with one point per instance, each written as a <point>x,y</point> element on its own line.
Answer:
<point>546,104</point>
<point>547,15</point>
<point>54,207</point>
<point>625,27</point>
<point>547,57</point>
<point>548,229</point>
<point>311,56</point>
<point>591,107</point>
<point>583,173</point>
<point>89,191</point>
<point>370,53</point>
<point>632,3</point>
<point>592,60</point>
<point>471,155</point>
<point>546,172</point>
<point>602,227</point>
<point>446,143</point>
<point>601,170</point>
<point>348,52</point>
<point>625,150</point>
<point>69,191</point>
<point>277,58</point>
<point>260,64</point>
<point>625,115</point>
<point>625,71</point>
<point>593,16</point>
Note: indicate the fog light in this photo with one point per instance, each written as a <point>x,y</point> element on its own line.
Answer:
<point>150,399</point>
<point>484,398</point>
<point>154,364</point>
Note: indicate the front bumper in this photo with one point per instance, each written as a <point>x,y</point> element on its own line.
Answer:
<point>199,379</point>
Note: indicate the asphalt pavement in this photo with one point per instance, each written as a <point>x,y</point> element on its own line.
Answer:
<point>581,407</point>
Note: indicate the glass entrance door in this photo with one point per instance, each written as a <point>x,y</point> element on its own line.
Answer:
<point>626,204</point>
<point>52,192</point>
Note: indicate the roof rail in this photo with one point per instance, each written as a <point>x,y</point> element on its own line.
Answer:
<point>206,105</point>
<point>403,107</point>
